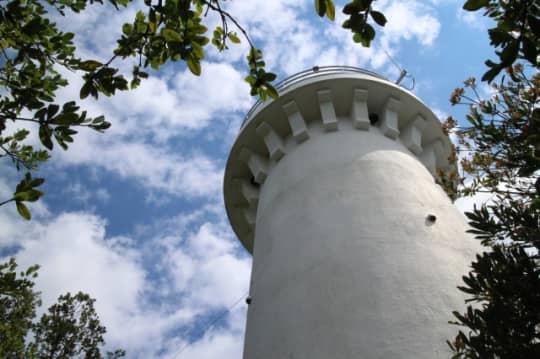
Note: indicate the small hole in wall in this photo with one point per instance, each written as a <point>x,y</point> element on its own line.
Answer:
<point>430,219</point>
<point>373,118</point>
<point>248,300</point>
<point>253,182</point>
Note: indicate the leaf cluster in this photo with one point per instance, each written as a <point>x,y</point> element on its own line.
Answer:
<point>258,78</point>
<point>501,155</point>
<point>503,323</point>
<point>18,302</point>
<point>515,35</point>
<point>173,30</point>
<point>33,48</point>
<point>359,12</point>
<point>500,144</point>
<point>69,329</point>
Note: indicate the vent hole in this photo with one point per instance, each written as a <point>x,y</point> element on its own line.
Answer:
<point>431,219</point>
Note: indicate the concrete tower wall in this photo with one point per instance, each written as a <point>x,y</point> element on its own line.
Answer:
<point>345,264</point>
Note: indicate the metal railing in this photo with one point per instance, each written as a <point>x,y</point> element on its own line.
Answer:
<point>314,72</point>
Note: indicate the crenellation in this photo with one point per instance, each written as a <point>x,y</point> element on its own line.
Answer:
<point>256,163</point>
<point>273,142</point>
<point>440,157</point>
<point>411,136</point>
<point>390,117</point>
<point>249,192</point>
<point>328,112</point>
<point>296,122</point>
<point>359,112</point>
<point>433,156</point>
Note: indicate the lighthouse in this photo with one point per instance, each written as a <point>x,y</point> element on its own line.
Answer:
<point>357,251</point>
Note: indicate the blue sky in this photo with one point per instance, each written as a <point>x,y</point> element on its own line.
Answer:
<point>135,216</point>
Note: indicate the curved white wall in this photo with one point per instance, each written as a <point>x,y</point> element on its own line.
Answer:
<point>345,264</point>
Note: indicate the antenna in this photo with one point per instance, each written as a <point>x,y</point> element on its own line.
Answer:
<point>402,72</point>
<point>401,76</point>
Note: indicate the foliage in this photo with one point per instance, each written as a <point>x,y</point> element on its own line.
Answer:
<point>515,35</point>
<point>18,302</point>
<point>358,12</point>
<point>34,52</point>
<point>501,155</point>
<point>499,152</point>
<point>500,143</point>
<point>70,328</point>
<point>504,322</point>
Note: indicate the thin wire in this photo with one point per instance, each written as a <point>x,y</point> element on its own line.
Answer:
<point>401,69</point>
<point>393,61</point>
<point>253,285</point>
<point>211,324</point>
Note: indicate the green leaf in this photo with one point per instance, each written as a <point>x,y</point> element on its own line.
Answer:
<point>45,136</point>
<point>271,91</point>
<point>23,210</point>
<point>509,53</point>
<point>194,66</point>
<point>21,135</point>
<point>52,110</point>
<point>171,35</point>
<point>127,29</point>
<point>31,195</point>
<point>330,10</point>
<point>199,29</point>
<point>250,80</point>
<point>197,50</point>
<point>36,182</point>
<point>530,52</point>
<point>491,74</point>
<point>269,76</point>
<point>234,38</point>
<point>90,65</point>
<point>41,113</point>
<point>473,5</point>
<point>86,89</point>
<point>350,8</point>
<point>320,7</point>
<point>66,119</point>
<point>378,17</point>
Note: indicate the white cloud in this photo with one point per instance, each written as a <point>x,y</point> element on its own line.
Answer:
<point>156,168</point>
<point>466,204</point>
<point>408,20</point>
<point>142,120</point>
<point>215,345</point>
<point>87,195</point>
<point>76,255</point>
<point>97,28</point>
<point>473,19</point>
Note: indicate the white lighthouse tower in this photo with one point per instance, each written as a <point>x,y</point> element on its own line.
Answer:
<point>357,251</point>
